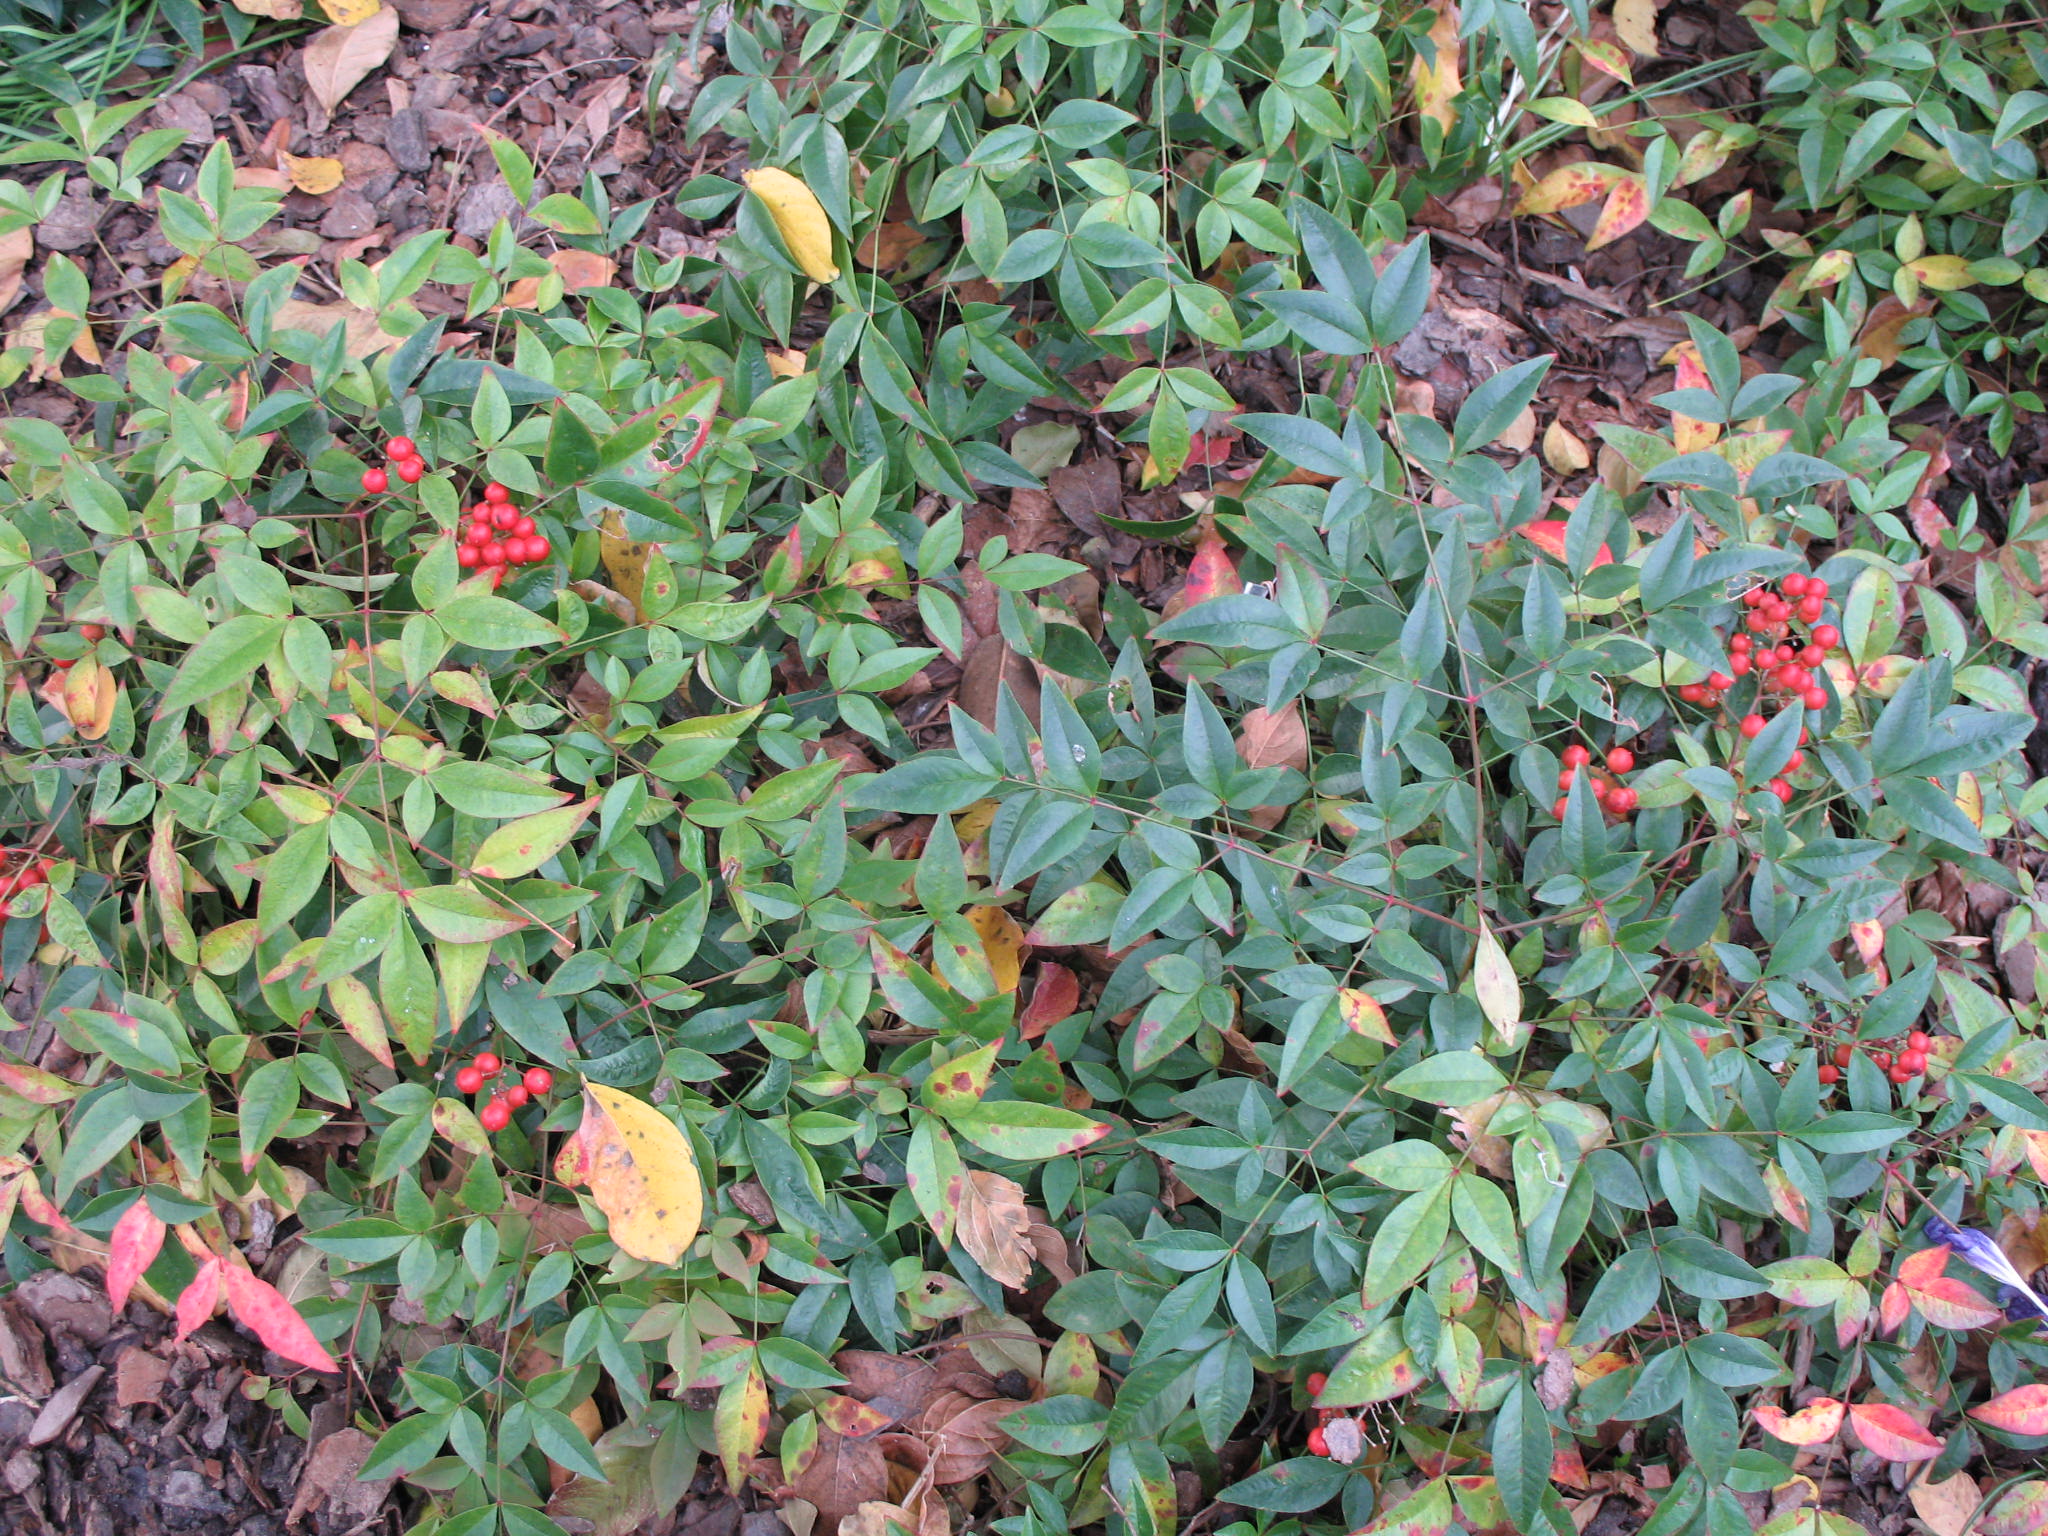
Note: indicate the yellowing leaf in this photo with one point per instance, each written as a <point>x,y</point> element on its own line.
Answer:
<point>641,1174</point>
<point>739,1423</point>
<point>1570,185</point>
<point>312,173</point>
<point>1002,941</point>
<point>520,847</point>
<point>1499,991</point>
<point>1363,1015</point>
<point>1627,206</point>
<point>785,365</point>
<point>1635,23</point>
<point>1606,58</point>
<point>276,10</point>
<point>1563,451</point>
<point>1565,109</point>
<point>349,13</point>
<point>1705,153</point>
<point>1437,83</point>
<point>1943,273</point>
<point>800,218</point>
<point>1818,1421</point>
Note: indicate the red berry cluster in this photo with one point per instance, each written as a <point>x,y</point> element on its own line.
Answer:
<point>1901,1065</point>
<point>500,535</point>
<point>497,1114</point>
<point>1318,1443</point>
<point>1616,798</point>
<point>21,869</point>
<point>406,463</point>
<point>1764,644</point>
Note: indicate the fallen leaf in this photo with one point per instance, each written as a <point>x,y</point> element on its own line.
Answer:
<point>1947,1506</point>
<point>1054,996</point>
<point>1635,23</point>
<point>1819,1421</point>
<point>1520,435</point>
<point>349,13</point>
<point>1564,452</point>
<point>1890,1433</point>
<point>964,1435</point>
<point>1274,741</point>
<point>312,173</point>
<point>2022,1411</point>
<point>365,336</point>
<point>1547,534</point>
<point>274,10</point>
<point>338,59</point>
<point>641,1174</point>
<point>994,1227</point>
<point>1569,186</point>
<point>16,247</point>
<point>786,365</point>
<point>842,1474</point>
<point>1437,81</point>
<point>577,269</point>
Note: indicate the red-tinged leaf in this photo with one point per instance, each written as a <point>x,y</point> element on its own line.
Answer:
<point>1691,375</point>
<point>1919,1270</point>
<point>39,1207</point>
<point>852,1418</point>
<point>1055,994</point>
<point>1819,1421</point>
<point>1363,1015</point>
<point>36,1085</point>
<point>1953,1303</point>
<point>261,1308</point>
<point>197,1301</point>
<point>1207,450</point>
<point>691,415</point>
<point>2022,1411</point>
<point>1547,534</point>
<point>2021,1511</point>
<point>1627,206</point>
<point>1893,1434</point>
<point>1606,58</point>
<point>1893,1310</point>
<point>1211,573</point>
<point>1569,186</point>
<point>1426,1512</point>
<point>138,1238</point>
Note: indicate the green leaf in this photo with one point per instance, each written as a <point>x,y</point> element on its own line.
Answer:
<point>934,784</point>
<point>1292,1487</point>
<point>572,453</point>
<point>1027,1132</point>
<point>228,657</point>
<point>1453,1080</point>
<point>524,845</point>
<point>566,215</point>
<point>493,623</point>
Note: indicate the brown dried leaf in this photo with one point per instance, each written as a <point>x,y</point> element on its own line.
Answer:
<point>1635,23</point>
<point>1274,741</point>
<point>964,1435</point>
<point>990,663</point>
<point>841,1475</point>
<point>1947,1506</point>
<point>338,59</point>
<point>993,1225</point>
<point>16,247</point>
<point>365,336</point>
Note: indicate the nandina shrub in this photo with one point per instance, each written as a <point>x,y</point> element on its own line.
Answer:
<point>1369,1039</point>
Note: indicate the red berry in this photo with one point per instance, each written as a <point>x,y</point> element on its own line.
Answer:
<point>1565,777</point>
<point>1620,800</point>
<point>487,1062</point>
<point>92,631</point>
<point>1757,623</point>
<point>1575,756</point>
<point>503,517</point>
<point>468,556</point>
<point>525,527</point>
<point>1782,790</point>
<point>410,470</point>
<point>494,553</point>
<point>1795,584</point>
<point>1720,681</point>
<point>1752,726</point>
<point>1318,1442</point>
<point>1693,693</point>
<point>1815,698</point>
<point>1810,610</point>
<point>1795,762</point>
<point>495,1115</point>
<point>1830,1074</point>
<point>1620,760</point>
<point>469,1080</point>
<point>1914,1062</point>
<point>1755,597</point>
<point>1739,642</point>
<point>1919,1040</point>
<point>1844,1054</point>
<point>516,1096</point>
<point>496,492</point>
<point>538,549</point>
<point>1739,663</point>
<point>376,482</point>
<point>1882,1060</point>
<point>401,448</point>
<point>538,1080</point>
<point>1902,1073</point>
<point>1785,653</point>
<point>1817,589</point>
<point>1558,809</point>
<point>1826,636</point>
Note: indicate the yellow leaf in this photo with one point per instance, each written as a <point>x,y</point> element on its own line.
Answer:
<point>1606,58</point>
<point>739,1423</point>
<point>641,1174</point>
<point>1002,941</point>
<point>1942,273</point>
<point>1499,991</point>
<point>625,560</point>
<point>1570,185</point>
<point>1565,109</point>
<point>800,217</point>
<point>1437,83</point>
<point>275,10</point>
<point>520,847</point>
<point>1563,450</point>
<point>1363,1015</point>
<point>786,365</point>
<point>1635,23</point>
<point>346,13</point>
<point>1626,207</point>
<point>312,173</point>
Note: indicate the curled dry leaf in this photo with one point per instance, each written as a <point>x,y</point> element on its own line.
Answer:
<point>964,1435</point>
<point>1274,740</point>
<point>338,59</point>
<point>641,1174</point>
<point>994,1227</point>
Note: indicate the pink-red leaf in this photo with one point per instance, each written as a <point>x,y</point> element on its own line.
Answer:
<point>1893,1434</point>
<point>1818,1421</point>
<point>1547,534</point>
<point>1626,207</point>
<point>261,1308</point>
<point>197,1301</point>
<point>1211,573</point>
<point>138,1238</point>
<point>2022,1411</point>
